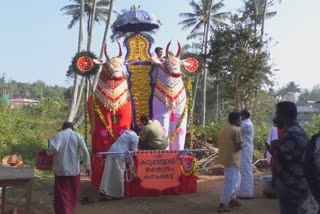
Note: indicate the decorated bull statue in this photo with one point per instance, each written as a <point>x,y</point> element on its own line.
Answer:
<point>110,105</point>
<point>169,104</point>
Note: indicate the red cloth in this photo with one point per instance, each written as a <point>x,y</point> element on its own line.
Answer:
<point>97,166</point>
<point>102,142</point>
<point>44,161</point>
<point>66,193</point>
<point>280,133</point>
<point>188,184</point>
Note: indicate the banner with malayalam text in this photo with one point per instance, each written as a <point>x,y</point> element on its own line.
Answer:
<point>158,170</point>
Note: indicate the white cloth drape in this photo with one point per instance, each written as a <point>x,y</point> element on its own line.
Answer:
<point>231,184</point>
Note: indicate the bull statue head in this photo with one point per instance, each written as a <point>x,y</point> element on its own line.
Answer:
<point>172,62</point>
<point>112,67</point>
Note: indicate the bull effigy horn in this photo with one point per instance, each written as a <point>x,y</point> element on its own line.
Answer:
<point>106,50</point>
<point>167,49</point>
<point>120,49</point>
<point>179,50</point>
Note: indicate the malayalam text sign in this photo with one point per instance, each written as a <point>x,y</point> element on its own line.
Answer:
<point>158,170</point>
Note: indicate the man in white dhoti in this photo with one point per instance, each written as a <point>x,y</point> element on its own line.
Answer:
<point>273,135</point>
<point>112,181</point>
<point>230,145</point>
<point>246,190</point>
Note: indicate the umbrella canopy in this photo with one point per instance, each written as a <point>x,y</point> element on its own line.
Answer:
<point>136,21</point>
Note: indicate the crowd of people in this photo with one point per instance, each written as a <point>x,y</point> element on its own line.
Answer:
<point>294,162</point>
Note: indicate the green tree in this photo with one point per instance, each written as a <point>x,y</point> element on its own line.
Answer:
<point>243,74</point>
<point>258,12</point>
<point>309,95</point>
<point>205,15</point>
<point>78,11</point>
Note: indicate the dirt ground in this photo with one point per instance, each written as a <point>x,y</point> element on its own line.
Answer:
<point>204,201</point>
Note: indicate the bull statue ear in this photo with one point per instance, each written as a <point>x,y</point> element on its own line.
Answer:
<point>99,61</point>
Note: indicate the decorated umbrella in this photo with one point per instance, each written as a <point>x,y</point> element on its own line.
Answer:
<point>136,21</point>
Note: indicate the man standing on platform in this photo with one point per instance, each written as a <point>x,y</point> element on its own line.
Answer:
<point>156,60</point>
<point>152,136</point>
<point>65,146</point>
<point>230,145</point>
<point>156,57</point>
<point>246,190</point>
<point>112,181</point>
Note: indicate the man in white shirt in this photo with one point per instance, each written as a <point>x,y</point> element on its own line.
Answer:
<point>156,57</point>
<point>65,146</point>
<point>112,181</point>
<point>156,60</point>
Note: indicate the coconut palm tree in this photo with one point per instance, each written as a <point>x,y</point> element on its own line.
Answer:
<point>78,11</point>
<point>101,11</point>
<point>204,16</point>
<point>261,13</point>
<point>292,89</point>
<point>74,100</point>
<point>105,36</point>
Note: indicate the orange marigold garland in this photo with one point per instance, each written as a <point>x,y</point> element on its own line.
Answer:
<point>192,171</point>
<point>174,134</point>
<point>189,89</point>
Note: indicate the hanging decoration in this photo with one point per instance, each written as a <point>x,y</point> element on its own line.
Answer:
<point>191,125</point>
<point>194,64</point>
<point>83,64</point>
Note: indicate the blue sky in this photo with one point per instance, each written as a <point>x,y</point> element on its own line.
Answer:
<point>36,44</point>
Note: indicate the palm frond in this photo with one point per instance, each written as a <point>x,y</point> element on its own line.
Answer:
<point>188,21</point>
<point>70,7</point>
<point>217,7</point>
<point>271,14</point>
<point>195,35</point>
<point>188,15</point>
<point>73,21</point>
<point>71,12</point>
<point>189,25</point>
<point>103,3</point>
<point>197,27</point>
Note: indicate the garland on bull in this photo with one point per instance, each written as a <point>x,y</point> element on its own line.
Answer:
<point>103,120</point>
<point>188,170</point>
<point>191,171</point>
<point>188,102</point>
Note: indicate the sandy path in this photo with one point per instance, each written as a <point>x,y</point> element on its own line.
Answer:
<point>204,201</point>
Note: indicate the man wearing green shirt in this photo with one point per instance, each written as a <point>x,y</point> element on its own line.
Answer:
<point>152,136</point>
